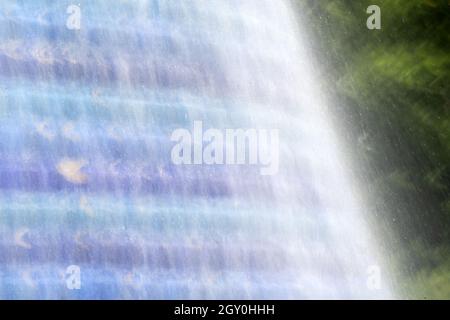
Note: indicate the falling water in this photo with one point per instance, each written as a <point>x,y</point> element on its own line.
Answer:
<point>86,177</point>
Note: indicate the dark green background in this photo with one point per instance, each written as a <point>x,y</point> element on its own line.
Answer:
<point>391,94</point>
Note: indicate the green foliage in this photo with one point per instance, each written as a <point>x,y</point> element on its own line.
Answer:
<point>432,279</point>
<point>392,96</point>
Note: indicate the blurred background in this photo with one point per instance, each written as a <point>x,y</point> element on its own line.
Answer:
<point>391,88</point>
<point>86,178</point>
